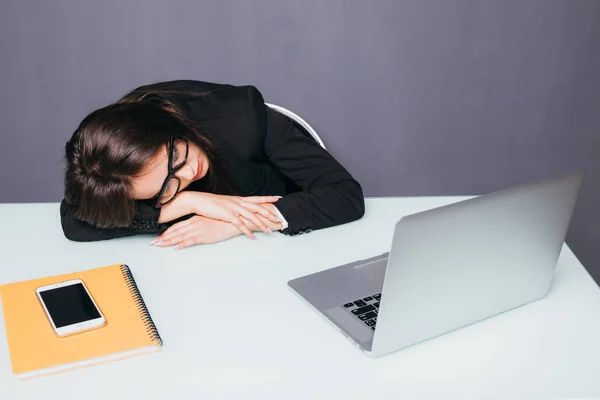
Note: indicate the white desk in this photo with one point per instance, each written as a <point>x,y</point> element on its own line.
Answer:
<point>233,329</point>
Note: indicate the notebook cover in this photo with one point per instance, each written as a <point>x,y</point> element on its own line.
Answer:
<point>33,344</point>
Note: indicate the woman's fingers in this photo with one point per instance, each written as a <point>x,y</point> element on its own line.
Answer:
<point>261,199</point>
<point>175,230</point>
<point>168,242</point>
<point>174,238</point>
<point>182,226</point>
<point>259,209</point>
<point>238,223</point>
<point>252,217</point>
<point>184,238</point>
<point>191,241</point>
<point>268,214</point>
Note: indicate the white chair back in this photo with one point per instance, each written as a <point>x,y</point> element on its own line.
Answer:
<point>299,120</point>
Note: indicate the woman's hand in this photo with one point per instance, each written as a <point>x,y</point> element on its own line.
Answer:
<point>241,212</point>
<point>203,230</point>
<point>196,230</point>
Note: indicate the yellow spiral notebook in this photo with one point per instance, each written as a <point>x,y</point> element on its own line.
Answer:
<point>36,350</point>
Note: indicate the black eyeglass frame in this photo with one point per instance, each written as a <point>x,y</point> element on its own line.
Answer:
<point>172,170</point>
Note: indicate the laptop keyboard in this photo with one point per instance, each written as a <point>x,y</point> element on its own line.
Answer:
<point>365,309</point>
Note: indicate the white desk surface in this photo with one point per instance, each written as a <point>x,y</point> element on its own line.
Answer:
<point>233,330</point>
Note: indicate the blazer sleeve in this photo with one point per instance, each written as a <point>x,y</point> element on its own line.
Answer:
<point>330,196</point>
<point>145,222</point>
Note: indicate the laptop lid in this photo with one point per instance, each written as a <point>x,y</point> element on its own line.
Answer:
<point>464,262</point>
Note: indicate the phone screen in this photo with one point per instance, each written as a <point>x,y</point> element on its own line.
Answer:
<point>69,305</point>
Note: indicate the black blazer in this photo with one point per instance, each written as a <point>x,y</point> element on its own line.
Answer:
<point>265,153</point>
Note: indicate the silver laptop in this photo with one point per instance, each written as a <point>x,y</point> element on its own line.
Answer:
<point>449,267</point>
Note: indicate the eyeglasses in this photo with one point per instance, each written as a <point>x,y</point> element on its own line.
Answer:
<point>177,159</point>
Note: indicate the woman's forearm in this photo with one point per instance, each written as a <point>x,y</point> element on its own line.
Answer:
<point>181,206</point>
<point>185,203</point>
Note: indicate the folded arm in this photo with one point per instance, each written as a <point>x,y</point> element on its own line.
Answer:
<point>330,195</point>
<point>147,220</point>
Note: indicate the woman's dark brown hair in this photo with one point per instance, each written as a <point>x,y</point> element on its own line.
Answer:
<point>112,145</point>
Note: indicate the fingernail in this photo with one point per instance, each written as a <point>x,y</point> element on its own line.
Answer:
<point>253,237</point>
<point>176,247</point>
<point>153,242</point>
<point>279,197</point>
<point>270,231</point>
<point>158,243</point>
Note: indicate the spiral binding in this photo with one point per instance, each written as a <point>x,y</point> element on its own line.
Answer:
<point>140,305</point>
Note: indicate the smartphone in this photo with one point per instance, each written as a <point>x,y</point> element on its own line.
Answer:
<point>70,308</point>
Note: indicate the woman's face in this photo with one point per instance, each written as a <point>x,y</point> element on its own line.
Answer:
<point>150,182</point>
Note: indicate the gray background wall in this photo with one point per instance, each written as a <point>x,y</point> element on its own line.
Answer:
<point>415,97</point>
